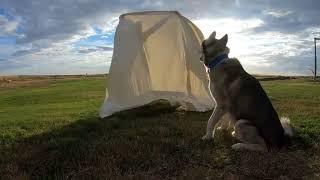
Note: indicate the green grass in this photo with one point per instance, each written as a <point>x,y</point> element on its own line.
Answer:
<point>52,131</point>
<point>29,111</point>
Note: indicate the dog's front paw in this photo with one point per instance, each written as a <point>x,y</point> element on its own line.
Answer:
<point>207,137</point>
<point>237,146</point>
<point>248,147</point>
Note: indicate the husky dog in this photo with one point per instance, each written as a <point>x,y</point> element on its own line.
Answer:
<point>240,97</point>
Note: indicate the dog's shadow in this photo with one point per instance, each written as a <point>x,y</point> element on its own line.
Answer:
<point>163,144</point>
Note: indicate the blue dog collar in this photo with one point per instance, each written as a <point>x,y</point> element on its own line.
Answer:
<point>217,60</point>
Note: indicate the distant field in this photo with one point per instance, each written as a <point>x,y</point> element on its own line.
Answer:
<point>50,129</point>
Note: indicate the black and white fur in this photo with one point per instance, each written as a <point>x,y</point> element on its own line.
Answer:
<point>240,97</point>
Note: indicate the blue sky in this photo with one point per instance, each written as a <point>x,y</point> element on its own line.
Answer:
<point>76,36</point>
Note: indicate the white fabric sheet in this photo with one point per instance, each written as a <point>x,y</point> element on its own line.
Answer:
<point>156,56</point>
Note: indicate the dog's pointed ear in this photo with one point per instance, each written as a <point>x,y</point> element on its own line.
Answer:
<point>224,39</point>
<point>210,39</point>
<point>213,35</point>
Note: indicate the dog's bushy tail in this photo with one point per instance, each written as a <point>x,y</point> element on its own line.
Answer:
<point>285,122</point>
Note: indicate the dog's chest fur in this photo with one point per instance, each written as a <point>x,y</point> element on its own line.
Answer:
<point>224,78</point>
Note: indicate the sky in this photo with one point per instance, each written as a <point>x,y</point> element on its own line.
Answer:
<point>76,36</point>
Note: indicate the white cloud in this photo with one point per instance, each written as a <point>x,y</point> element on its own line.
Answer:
<point>59,60</point>
<point>277,13</point>
<point>236,29</point>
<point>265,52</point>
<point>8,27</point>
<point>264,35</point>
<point>226,25</point>
<point>109,25</point>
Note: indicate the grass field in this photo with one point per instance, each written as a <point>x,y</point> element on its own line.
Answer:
<point>50,129</point>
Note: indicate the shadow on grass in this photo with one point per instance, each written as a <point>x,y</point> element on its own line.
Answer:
<point>161,145</point>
